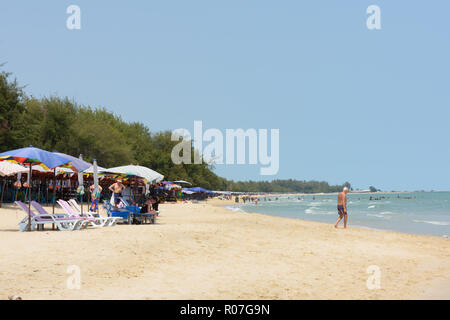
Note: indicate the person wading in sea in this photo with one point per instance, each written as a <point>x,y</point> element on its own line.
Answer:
<point>342,207</point>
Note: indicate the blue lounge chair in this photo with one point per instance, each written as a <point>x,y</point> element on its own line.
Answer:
<point>114,212</point>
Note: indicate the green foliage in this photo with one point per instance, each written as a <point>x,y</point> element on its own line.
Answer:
<point>289,185</point>
<point>11,110</point>
<point>60,124</point>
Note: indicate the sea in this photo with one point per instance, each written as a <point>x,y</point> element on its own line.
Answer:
<point>425,213</point>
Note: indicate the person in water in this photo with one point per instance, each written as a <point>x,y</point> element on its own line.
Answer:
<point>342,207</point>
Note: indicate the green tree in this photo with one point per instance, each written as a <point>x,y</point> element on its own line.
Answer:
<point>61,124</point>
<point>11,110</point>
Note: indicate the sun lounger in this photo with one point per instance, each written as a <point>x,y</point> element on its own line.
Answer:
<point>37,206</point>
<point>109,221</point>
<point>75,206</point>
<point>111,211</point>
<point>62,222</point>
<point>94,222</point>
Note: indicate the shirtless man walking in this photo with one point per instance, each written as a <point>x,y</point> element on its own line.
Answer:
<point>342,207</point>
<point>117,189</point>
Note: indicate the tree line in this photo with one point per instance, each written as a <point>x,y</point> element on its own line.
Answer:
<point>55,123</point>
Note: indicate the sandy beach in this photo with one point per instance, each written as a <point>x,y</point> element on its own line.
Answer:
<point>203,251</point>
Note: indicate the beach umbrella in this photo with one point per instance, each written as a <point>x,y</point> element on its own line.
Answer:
<point>222,192</point>
<point>33,156</point>
<point>96,188</point>
<point>136,171</point>
<point>199,189</point>
<point>80,189</point>
<point>57,170</point>
<point>170,186</point>
<point>95,171</point>
<point>77,164</point>
<point>182,182</point>
<point>90,170</point>
<point>9,168</point>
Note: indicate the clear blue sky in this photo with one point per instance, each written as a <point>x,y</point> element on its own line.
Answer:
<point>370,107</point>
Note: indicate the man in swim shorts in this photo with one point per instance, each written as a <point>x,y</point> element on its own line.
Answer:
<point>117,189</point>
<point>342,207</point>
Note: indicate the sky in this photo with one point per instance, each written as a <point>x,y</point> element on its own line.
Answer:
<point>351,104</point>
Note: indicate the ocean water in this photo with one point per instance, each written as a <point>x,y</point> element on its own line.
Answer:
<point>416,213</point>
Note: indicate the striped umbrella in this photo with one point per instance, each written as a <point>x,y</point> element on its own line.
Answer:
<point>34,156</point>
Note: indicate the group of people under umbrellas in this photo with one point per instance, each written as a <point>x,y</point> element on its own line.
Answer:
<point>151,202</point>
<point>48,160</point>
<point>51,160</point>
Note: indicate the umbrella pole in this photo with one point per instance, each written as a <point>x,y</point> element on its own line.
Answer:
<point>99,197</point>
<point>29,202</point>
<point>46,185</point>
<point>89,194</point>
<point>39,192</point>
<point>54,195</point>
<point>134,197</point>
<point>134,193</point>
<point>129,214</point>
<point>54,190</point>
<point>7,189</point>
<point>129,209</point>
<point>81,198</point>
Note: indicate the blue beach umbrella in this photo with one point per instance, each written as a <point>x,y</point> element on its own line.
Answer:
<point>199,189</point>
<point>75,163</point>
<point>34,156</point>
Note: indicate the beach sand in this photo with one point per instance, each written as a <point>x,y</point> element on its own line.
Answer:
<point>202,251</point>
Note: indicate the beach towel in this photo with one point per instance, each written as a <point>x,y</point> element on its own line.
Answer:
<point>94,206</point>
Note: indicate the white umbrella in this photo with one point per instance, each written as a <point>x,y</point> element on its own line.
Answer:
<point>8,168</point>
<point>182,182</point>
<point>96,191</point>
<point>80,179</point>
<point>80,189</point>
<point>173,186</point>
<point>95,172</point>
<point>90,170</point>
<point>222,192</point>
<point>19,177</point>
<point>140,171</point>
